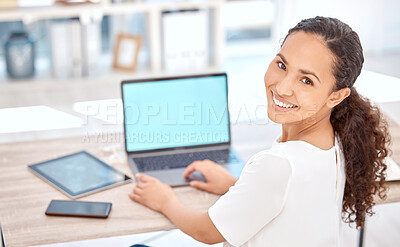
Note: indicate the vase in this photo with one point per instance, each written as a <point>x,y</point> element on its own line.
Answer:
<point>20,55</point>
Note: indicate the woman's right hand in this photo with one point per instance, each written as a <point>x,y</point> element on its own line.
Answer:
<point>219,180</point>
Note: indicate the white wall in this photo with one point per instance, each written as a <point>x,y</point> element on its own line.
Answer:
<point>376,22</point>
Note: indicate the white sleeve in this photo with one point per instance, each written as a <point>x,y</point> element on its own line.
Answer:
<point>256,198</point>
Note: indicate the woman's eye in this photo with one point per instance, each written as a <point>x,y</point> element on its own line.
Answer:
<point>281,66</point>
<point>307,81</point>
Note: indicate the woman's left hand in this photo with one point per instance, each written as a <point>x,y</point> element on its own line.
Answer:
<point>152,193</point>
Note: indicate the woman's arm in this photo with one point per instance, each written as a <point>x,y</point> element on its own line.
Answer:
<point>161,198</point>
<point>193,222</point>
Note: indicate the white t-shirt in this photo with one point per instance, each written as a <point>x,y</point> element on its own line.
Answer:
<point>289,195</point>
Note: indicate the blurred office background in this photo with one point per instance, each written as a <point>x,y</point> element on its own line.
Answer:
<point>76,42</point>
<point>60,54</point>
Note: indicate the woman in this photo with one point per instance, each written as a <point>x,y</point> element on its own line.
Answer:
<point>323,168</point>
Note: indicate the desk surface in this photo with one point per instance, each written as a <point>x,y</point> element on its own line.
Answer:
<point>24,197</point>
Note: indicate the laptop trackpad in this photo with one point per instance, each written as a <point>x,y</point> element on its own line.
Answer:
<point>198,176</point>
<point>173,177</point>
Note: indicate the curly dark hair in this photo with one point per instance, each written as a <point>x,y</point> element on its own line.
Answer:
<point>362,131</point>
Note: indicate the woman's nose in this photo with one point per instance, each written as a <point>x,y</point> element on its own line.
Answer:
<point>285,86</point>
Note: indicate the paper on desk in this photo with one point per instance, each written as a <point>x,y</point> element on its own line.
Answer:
<point>35,118</point>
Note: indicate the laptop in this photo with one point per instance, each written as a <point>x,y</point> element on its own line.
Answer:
<point>170,122</point>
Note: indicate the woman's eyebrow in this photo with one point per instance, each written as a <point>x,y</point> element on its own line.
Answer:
<point>282,57</point>
<point>307,72</point>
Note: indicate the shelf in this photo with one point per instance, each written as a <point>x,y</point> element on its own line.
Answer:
<point>144,7</point>
<point>222,9</point>
<point>29,15</point>
<point>62,11</point>
<point>51,12</point>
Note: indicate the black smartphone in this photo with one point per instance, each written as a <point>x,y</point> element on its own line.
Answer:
<point>79,209</point>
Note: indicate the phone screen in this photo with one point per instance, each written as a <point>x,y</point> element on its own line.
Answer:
<point>79,208</point>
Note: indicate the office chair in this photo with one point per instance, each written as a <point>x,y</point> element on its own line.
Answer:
<point>2,244</point>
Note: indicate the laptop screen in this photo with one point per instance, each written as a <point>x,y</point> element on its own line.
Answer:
<point>177,112</point>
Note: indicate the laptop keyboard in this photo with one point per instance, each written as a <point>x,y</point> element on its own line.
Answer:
<point>171,161</point>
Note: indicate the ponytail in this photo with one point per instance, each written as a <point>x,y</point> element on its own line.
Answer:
<point>364,138</point>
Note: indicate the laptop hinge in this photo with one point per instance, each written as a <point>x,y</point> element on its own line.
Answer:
<point>181,150</point>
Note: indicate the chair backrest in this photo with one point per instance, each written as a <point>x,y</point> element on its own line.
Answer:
<point>1,237</point>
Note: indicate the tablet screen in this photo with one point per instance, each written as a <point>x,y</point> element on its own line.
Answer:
<point>78,174</point>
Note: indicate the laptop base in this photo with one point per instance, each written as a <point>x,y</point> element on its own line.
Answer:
<point>174,177</point>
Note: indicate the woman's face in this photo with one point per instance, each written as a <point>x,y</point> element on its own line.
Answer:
<point>299,80</point>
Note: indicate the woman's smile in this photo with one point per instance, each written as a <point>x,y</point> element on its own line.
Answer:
<point>280,104</point>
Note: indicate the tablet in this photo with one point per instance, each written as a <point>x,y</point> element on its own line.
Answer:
<point>79,174</point>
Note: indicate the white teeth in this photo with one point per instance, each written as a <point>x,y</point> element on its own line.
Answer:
<point>281,104</point>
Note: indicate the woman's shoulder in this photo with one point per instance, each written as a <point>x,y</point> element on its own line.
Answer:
<point>285,155</point>
<point>300,146</point>
<point>268,154</point>
<point>269,160</point>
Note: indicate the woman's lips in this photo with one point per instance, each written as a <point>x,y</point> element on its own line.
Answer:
<point>280,104</point>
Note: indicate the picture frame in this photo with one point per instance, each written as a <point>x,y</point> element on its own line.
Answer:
<point>126,51</point>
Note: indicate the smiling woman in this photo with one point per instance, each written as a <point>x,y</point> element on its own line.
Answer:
<point>323,167</point>
<point>328,52</point>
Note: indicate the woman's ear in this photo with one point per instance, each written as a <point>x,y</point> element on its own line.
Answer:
<point>338,96</point>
